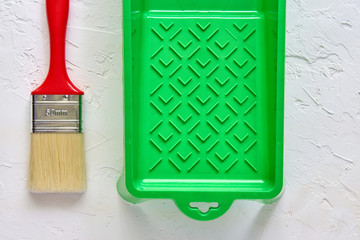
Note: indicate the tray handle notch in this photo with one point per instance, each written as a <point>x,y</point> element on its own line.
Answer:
<point>203,211</point>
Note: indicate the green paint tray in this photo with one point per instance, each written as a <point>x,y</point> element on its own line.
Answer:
<point>204,88</point>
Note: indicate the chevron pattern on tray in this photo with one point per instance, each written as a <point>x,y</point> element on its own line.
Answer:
<point>203,96</point>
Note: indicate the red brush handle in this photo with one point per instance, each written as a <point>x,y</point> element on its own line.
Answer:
<point>57,81</point>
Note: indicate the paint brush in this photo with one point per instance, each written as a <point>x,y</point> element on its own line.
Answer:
<point>57,162</point>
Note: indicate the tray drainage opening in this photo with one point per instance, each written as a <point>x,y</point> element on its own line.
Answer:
<point>204,207</point>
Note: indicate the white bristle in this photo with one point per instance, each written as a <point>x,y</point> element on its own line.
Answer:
<point>57,163</point>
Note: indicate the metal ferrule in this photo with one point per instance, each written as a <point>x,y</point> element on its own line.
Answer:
<point>56,113</point>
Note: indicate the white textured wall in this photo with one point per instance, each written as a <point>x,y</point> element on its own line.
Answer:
<point>322,132</point>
